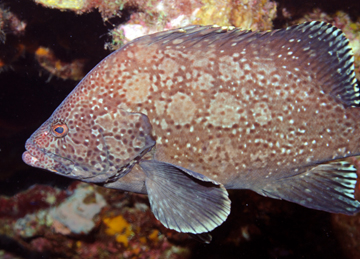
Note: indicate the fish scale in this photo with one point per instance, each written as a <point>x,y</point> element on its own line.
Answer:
<point>194,111</point>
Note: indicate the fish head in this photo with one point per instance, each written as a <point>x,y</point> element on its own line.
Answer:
<point>88,141</point>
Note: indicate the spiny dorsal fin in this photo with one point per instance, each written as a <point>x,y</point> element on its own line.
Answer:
<point>317,47</point>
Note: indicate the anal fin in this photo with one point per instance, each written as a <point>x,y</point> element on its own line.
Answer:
<point>329,187</point>
<point>184,200</point>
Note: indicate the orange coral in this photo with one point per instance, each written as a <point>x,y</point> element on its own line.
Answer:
<point>52,64</point>
<point>154,236</point>
<point>119,228</point>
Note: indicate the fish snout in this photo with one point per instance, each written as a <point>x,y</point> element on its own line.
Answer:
<point>39,157</point>
<point>32,155</point>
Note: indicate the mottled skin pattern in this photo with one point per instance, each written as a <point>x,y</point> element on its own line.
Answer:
<point>244,109</point>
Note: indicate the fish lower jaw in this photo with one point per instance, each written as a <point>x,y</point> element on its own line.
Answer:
<point>29,159</point>
<point>33,161</point>
<point>34,156</point>
<point>28,156</point>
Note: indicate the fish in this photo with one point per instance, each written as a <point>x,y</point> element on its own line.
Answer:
<point>186,114</point>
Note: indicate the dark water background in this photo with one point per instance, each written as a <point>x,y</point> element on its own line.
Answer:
<point>28,97</point>
<point>29,94</point>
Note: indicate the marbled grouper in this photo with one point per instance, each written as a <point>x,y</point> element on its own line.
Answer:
<point>185,114</point>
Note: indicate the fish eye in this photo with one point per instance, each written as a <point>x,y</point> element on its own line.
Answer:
<point>59,130</point>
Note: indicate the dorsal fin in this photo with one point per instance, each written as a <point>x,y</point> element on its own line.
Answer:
<point>328,49</point>
<point>317,47</point>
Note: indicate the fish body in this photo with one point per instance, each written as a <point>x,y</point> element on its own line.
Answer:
<point>185,114</point>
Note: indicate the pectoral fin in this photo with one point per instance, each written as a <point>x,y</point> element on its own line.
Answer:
<point>184,200</point>
<point>329,187</point>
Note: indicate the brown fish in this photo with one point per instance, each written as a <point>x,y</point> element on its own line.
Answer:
<point>185,114</point>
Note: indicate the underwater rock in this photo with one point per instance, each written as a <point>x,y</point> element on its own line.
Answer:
<point>10,23</point>
<point>74,5</point>
<point>75,215</point>
<point>88,221</point>
<point>30,201</point>
<point>245,14</point>
<point>348,233</point>
<point>32,224</point>
<point>78,211</point>
<point>159,15</point>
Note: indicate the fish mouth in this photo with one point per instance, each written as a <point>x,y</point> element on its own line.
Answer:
<point>41,158</point>
<point>29,159</point>
<point>33,154</point>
